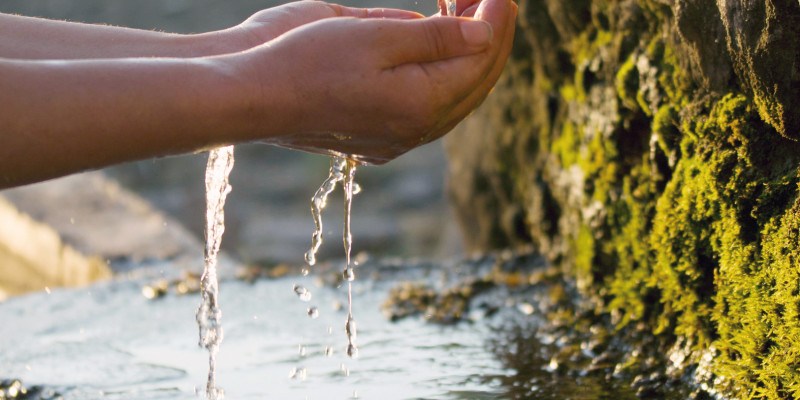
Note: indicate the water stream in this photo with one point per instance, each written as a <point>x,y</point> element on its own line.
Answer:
<point>342,170</point>
<point>349,272</point>
<point>209,314</point>
<point>451,7</point>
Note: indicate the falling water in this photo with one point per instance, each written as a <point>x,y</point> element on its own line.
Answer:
<point>451,7</point>
<point>349,273</point>
<point>220,164</point>
<point>341,170</point>
<point>319,201</point>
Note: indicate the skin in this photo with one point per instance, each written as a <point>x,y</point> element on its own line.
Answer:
<point>367,83</point>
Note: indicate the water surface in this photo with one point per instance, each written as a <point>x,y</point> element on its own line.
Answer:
<point>110,342</point>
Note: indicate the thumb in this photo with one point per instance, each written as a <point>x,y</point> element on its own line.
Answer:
<point>433,39</point>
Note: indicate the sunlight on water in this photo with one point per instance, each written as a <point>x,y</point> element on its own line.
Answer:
<point>209,314</point>
<point>342,170</point>
<point>349,273</point>
<point>319,201</point>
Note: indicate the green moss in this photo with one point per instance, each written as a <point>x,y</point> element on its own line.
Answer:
<point>584,250</point>
<point>679,206</point>
<point>770,110</point>
<point>671,78</point>
<point>566,145</point>
<point>705,258</point>
<point>665,129</point>
<point>627,83</point>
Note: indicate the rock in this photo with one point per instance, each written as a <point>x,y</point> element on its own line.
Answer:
<point>647,148</point>
<point>78,229</point>
<point>762,41</point>
<point>33,256</point>
<point>97,216</point>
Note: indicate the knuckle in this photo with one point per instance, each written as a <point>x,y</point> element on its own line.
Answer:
<point>435,39</point>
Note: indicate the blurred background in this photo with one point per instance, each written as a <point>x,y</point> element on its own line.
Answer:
<point>401,211</point>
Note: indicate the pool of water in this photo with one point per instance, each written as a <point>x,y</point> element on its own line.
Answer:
<point>108,341</point>
<point>524,334</point>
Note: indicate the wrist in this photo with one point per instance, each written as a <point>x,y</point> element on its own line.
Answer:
<point>256,96</point>
<point>208,43</point>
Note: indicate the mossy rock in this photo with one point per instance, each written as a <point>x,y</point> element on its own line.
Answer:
<point>645,149</point>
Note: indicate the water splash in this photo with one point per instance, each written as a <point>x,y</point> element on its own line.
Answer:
<point>302,293</point>
<point>341,170</point>
<point>320,200</point>
<point>209,314</point>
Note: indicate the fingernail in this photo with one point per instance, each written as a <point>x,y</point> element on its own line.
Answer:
<point>475,32</point>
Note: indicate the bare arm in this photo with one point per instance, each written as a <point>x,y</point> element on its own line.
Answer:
<point>58,117</point>
<point>368,88</point>
<point>33,38</point>
<point>37,38</point>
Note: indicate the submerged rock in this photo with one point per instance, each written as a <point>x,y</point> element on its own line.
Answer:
<point>14,389</point>
<point>647,149</point>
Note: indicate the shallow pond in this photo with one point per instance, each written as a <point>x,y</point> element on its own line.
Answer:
<point>108,341</point>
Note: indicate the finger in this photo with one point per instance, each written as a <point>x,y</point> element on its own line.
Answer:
<point>464,75</point>
<point>463,5</point>
<point>476,96</point>
<point>470,11</point>
<point>432,39</point>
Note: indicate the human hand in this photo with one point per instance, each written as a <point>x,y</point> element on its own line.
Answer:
<point>270,23</point>
<point>372,89</point>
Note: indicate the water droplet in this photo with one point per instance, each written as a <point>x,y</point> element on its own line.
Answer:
<point>349,274</point>
<point>302,293</point>
<point>351,329</point>
<point>352,333</point>
<point>311,259</point>
<point>305,271</point>
<point>302,350</point>
<point>298,373</point>
<point>313,312</point>
<point>525,308</point>
<point>352,351</point>
<point>328,351</point>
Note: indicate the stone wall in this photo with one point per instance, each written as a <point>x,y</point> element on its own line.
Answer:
<point>648,147</point>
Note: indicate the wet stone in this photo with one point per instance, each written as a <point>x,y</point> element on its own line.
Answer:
<point>561,347</point>
<point>14,389</point>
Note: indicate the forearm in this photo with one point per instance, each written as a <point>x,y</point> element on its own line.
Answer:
<point>59,117</point>
<point>37,39</point>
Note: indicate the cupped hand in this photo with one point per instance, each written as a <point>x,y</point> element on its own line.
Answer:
<point>270,23</point>
<point>372,89</point>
